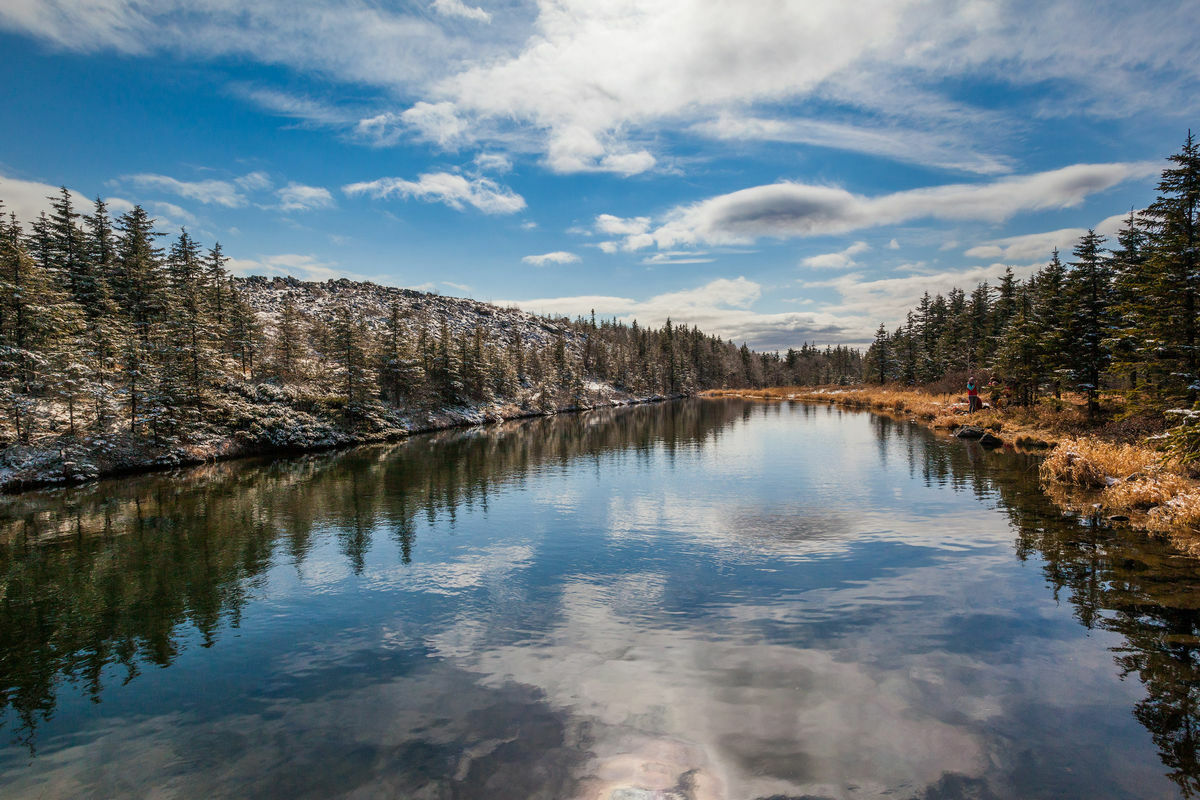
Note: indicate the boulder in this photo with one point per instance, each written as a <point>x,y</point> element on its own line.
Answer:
<point>990,440</point>
<point>970,432</point>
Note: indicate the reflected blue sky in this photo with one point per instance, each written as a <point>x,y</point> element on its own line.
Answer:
<point>714,600</point>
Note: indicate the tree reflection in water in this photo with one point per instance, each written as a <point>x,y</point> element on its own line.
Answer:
<point>99,582</point>
<point>116,573</point>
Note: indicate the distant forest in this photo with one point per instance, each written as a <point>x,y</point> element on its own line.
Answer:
<point>105,331</point>
<point>1124,318</point>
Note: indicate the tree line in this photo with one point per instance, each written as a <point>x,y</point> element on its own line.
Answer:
<point>105,330</point>
<point>1116,316</point>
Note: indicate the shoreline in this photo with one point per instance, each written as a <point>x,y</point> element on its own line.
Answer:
<point>1086,473</point>
<point>55,471</point>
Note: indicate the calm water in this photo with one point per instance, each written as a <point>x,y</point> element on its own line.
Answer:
<point>705,599</point>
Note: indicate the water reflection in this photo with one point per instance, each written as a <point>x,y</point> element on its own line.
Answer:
<point>702,599</point>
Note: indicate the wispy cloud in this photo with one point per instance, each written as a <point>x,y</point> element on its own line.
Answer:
<point>938,148</point>
<point>454,190</point>
<point>298,197</point>
<point>723,307</point>
<point>1033,246</point>
<point>212,192</point>
<point>299,107</point>
<point>593,83</point>
<point>27,199</point>
<point>457,8</point>
<point>308,267</point>
<point>790,210</point>
<point>557,257</point>
<point>842,259</point>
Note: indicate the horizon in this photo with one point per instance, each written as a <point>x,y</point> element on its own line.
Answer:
<point>773,175</point>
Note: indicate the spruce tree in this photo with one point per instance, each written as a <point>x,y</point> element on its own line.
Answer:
<point>1173,225</point>
<point>287,343</point>
<point>1089,298</point>
<point>140,290</point>
<point>349,342</point>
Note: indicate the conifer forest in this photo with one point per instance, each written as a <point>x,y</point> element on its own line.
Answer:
<point>1120,316</point>
<point>122,347</point>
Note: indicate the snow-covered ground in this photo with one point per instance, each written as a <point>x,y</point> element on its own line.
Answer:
<point>256,418</point>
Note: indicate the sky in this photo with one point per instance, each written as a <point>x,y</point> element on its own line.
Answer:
<point>774,171</point>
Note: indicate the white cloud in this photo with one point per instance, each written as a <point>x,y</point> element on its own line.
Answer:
<point>493,162</point>
<point>298,197</point>
<point>865,302</point>
<point>787,210</point>
<point>591,83</point>
<point>943,147</point>
<point>27,199</point>
<point>306,267</point>
<point>1035,246</point>
<point>455,191</point>
<point>843,259</point>
<point>679,257</point>
<point>254,181</point>
<point>439,123</point>
<point>557,257</point>
<point>457,8</point>
<point>172,216</point>
<point>212,192</point>
<point>723,307</point>
<point>618,226</point>
<point>893,245</point>
<point>294,106</point>
<point>353,42</point>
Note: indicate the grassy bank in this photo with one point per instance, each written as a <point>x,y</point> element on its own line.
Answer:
<point>1095,467</point>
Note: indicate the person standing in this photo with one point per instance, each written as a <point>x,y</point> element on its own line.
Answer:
<point>973,401</point>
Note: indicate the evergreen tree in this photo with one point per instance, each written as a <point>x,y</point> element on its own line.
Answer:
<point>190,335</point>
<point>1173,226</point>
<point>288,341</point>
<point>140,290</point>
<point>1089,297</point>
<point>1050,313</point>
<point>350,354</point>
<point>1133,304</point>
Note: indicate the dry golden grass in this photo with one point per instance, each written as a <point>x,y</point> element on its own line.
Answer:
<point>1148,491</point>
<point>1181,512</point>
<point>1130,478</point>
<point>1115,476</point>
<point>936,410</point>
<point>1089,462</point>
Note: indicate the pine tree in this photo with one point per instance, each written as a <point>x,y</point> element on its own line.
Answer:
<point>1089,298</point>
<point>1051,317</point>
<point>102,313</point>
<point>1020,353</point>
<point>141,292</point>
<point>243,331</point>
<point>1173,225</point>
<point>217,280</point>
<point>880,355</point>
<point>190,334</point>
<point>351,356</point>
<point>401,377</point>
<point>287,342</point>
<point>38,334</point>
<point>1132,345</point>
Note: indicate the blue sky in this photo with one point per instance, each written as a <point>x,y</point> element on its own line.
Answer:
<point>775,172</point>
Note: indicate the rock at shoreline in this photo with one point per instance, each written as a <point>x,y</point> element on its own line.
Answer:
<point>970,432</point>
<point>990,440</point>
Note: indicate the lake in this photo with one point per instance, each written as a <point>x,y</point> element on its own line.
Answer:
<point>698,599</point>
